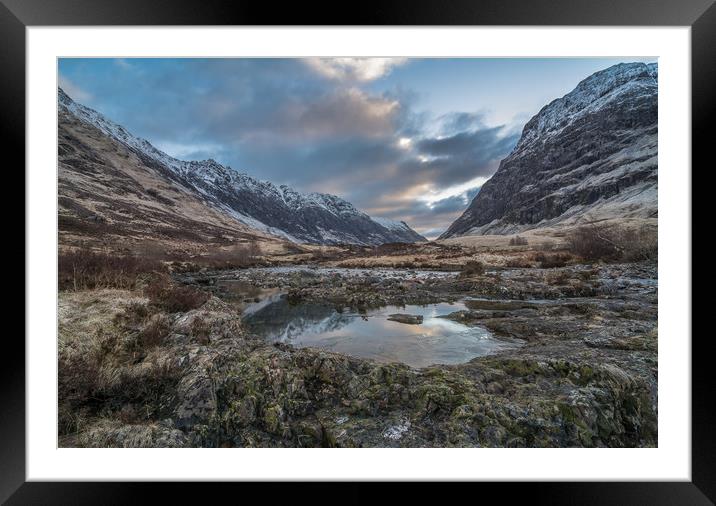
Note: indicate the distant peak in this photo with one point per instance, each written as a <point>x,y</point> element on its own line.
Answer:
<point>591,94</point>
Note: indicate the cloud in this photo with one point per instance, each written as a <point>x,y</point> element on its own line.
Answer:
<point>460,191</point>
<point>354,69</point>
<point>189,151</point>
<point>345,112</point>
<point>317,125</point>
<point>461,121</point>
<point>263,105</point>
<point>465,155</point>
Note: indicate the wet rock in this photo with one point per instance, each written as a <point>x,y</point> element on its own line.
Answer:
<point>585,377</point>
<point>409,319</point>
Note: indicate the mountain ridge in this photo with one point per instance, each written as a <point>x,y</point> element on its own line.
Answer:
<point>261,205</point>
<point>591,154</point>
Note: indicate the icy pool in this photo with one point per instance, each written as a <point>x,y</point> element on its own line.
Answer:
<point>371,335</point>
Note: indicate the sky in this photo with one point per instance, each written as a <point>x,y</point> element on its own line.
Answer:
<point>406,139</point>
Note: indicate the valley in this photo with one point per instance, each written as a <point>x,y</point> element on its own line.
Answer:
<point>291,355</point>
<point>199,306</point>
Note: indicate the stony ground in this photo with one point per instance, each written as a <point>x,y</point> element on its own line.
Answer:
<point>586,376</point>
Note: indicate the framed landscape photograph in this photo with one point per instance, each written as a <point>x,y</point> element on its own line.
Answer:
<point>458,252</point>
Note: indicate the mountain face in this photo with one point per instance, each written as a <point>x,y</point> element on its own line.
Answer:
<point>246,202</point>
<point>591,154</point>
<point>109,196</point>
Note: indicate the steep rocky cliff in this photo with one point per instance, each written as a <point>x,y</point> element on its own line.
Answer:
<point>591,154</point>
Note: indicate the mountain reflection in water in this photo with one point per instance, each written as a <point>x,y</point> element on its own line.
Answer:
<point>372,335</point>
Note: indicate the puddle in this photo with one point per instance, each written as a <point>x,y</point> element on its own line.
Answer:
<point>246,297</point>
<point>370,334</point>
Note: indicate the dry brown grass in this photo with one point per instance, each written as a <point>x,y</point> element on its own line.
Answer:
<point>200,330</point>
<point>107,363</point>
<point>155,330</point>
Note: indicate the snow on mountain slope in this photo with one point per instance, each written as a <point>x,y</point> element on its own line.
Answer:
<point>591,154</point>
<point>108,196</point>
<point>396,226</point>
<point>277,210</point>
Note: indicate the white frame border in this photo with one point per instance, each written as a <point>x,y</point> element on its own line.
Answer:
<point>670,461</point>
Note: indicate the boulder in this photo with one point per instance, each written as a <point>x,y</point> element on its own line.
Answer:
<point>410,319</point>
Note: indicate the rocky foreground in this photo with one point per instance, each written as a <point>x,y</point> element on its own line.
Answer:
<point>586,376</point>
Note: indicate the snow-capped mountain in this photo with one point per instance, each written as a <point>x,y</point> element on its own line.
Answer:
<point>399,227</point>
<point>277,210</point>
<point>591,154</point>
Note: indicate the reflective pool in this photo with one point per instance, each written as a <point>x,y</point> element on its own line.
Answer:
<point>370,334</point>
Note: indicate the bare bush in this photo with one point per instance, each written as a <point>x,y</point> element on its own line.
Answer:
<point>473,268</point>
<point>639,244</point>
<point>393,248</point>
<point>234,257</point>
<point>320,254</point>
<point>519,262</point>
<point>518,241</point>
<point>84,269</point>
<point>614,243</point>
<point>553,260</point>
<point>172,298</point>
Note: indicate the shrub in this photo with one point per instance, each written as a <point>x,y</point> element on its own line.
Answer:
<point>517,262</point>
<point>84,269</point>
<point>173,298</point>
<point>473,268</point>
<point>393,248</point>
<point>552,261</point>
<point>518,241</point>
<point>593,242</point>
<point>320,254</point>
<point>235,257</point>
<point>614,243</point>
<point>639,244</point>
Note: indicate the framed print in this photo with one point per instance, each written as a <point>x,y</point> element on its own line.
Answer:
<point>423,244</point>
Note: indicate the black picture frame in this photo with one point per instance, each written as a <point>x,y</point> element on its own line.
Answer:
<point>700,15</point>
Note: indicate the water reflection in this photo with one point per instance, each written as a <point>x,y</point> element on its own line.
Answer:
<point>372,335</point>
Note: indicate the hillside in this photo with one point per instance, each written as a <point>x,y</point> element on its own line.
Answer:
<point>589,155</point>
<point>102,162</point>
